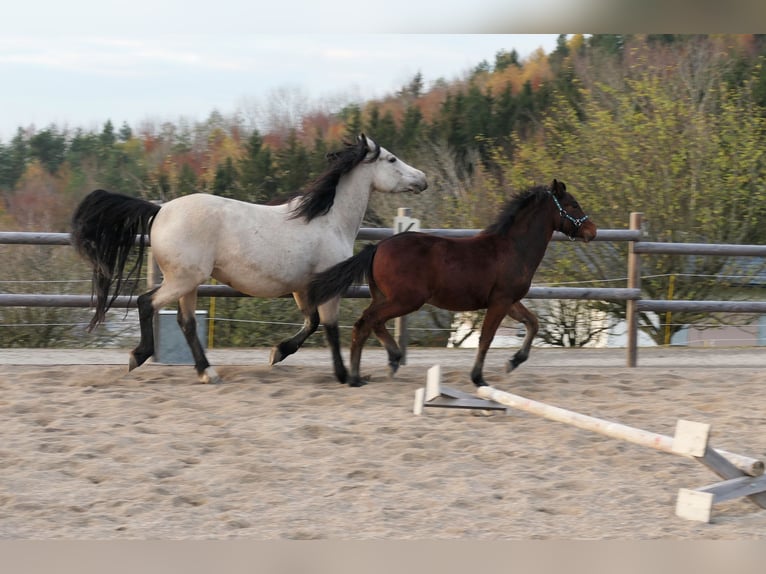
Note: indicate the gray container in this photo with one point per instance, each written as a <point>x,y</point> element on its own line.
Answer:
<point>170,346</point>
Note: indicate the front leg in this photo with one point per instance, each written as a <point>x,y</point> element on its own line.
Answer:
<point>288,346</point>
<point>492,321</point>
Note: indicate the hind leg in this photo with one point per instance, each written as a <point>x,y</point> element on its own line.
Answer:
<point>523,315</point>
<point>145,348</point>
<point>171,290</point>
<point>328,315</point>
<point>310,324</point>
<point>392,348</point>
<point>187,306</point>
<point>374,319</point>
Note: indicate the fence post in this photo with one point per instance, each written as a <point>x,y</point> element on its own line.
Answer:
<point>634,282</point>
<point>403,222</point>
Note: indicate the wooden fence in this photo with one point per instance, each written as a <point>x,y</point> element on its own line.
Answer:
<point>631,294</point>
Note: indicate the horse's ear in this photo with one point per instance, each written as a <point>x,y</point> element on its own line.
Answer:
<point>558,188</point>
<point>365,141</point>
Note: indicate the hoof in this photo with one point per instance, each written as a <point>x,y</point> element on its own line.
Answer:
<point>342,376</point>
<point>132,363</point>
<point>513,363</point>
<point>392,369</point>
<point>276,356</point>
<point>357,382</point>
<point>209,376</point>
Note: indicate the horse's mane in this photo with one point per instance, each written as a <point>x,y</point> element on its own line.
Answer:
<point>513,206</point>
<point>319,196</point>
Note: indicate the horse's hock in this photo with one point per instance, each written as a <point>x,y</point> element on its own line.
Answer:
<point>743,476</point>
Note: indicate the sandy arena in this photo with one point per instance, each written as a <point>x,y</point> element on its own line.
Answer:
<point>92,452</point>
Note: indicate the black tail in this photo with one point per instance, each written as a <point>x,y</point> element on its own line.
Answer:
<point>104,230</point>
<point>334,281</point>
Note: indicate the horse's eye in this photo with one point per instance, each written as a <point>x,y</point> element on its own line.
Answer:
<point>576,205</point>
<point>392,159</point>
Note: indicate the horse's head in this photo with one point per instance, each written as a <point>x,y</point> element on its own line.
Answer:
<point>390,174</point>
<point>572,220</point>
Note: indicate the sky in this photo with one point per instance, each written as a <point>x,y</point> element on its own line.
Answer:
<point>79,63</point>
<point>81,80</point>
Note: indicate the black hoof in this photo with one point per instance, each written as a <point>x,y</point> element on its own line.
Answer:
<point>357,382</point>
<point>513,363</point>
<point>342,376</point>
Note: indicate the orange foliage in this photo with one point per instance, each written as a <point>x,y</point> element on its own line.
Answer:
<point>536,70</point>
<point>37,204</point>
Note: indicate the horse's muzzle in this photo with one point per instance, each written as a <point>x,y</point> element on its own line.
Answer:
<point>587,232</point>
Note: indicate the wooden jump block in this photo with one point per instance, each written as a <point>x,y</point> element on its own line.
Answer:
<point>743,476</point>
<point>435,395</point>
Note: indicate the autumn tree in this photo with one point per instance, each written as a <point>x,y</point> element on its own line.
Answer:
<point>669,141</point>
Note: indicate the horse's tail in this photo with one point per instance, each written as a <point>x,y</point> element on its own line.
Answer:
<point>104,230</point>
<point>334,281</point>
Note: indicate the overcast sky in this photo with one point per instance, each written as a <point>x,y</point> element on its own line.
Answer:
<point>81,62</point>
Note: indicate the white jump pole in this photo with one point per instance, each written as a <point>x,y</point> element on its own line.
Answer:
<point>749,466</point>
<point>743,476</point>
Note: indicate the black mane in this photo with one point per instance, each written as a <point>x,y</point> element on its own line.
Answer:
<point>518,202</point>
<point>319,197</point>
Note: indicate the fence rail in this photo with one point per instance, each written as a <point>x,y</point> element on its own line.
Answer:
<point>365,234</point>
<point>631,294</point>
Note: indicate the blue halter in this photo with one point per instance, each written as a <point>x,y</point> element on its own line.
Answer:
<point>577,222</point>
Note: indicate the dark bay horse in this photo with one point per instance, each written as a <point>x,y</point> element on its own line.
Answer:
<point>261,250</point>
<point>492,270</point>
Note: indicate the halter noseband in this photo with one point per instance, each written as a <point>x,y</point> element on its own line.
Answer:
<point>577,222</point>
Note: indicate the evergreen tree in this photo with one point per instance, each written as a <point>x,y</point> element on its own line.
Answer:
<point>352,117</point>
<point>257,178</point>
<point>49,148</point>
<point>13,160</point>
<point>386,133</point>
<point>293,165</point>
<point>225,181</point>
<point>411,130</point>
<point>504,59</point>
<point>107,137</point>
<point>125,132</point>
<point>187,181</point>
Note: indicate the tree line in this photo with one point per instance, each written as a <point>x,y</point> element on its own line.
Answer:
<point>670,125</point>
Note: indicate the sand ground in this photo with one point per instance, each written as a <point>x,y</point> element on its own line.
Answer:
<point>90,451</point>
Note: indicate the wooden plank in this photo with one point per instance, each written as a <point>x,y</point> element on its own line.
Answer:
<point>433,380</point>
<point>420,395</point>
<point>584,293</point>
<point>750,486</point>
<point>716,462</point>
<point>473,403</point>
<point>694,505</point>
<point>690,438</point>
<point>611,429</point>
<point>724,249</point>
<point>456,393</point>
<point>664,306</point>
